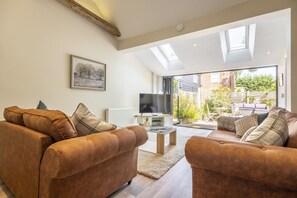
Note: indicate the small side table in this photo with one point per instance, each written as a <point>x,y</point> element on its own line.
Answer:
<point>161,147</point>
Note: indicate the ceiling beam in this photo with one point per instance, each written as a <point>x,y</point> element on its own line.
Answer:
<point>91,17</point>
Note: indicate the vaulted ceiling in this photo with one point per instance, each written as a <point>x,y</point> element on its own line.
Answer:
<point>134,18</point>
<point>200,53</point>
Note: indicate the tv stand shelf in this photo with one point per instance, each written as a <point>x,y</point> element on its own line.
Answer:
<point>156,121</point>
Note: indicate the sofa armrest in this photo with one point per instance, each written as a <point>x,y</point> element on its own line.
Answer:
<point>68,157</point>
<point>268,165</point>
<point>21,151</point>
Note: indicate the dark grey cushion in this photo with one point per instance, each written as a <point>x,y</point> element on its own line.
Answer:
<point>41,105</point>
<point>227,123</point>
<point>261,117</point>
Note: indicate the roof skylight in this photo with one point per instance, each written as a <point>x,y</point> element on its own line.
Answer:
<point>167,57</point>
<point>159,55</point>
<point>238,43</point>
<point>237,38</point>
<point>168,52</point>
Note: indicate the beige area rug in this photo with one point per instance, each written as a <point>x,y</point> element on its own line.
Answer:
<point>154,165</point>
<point>4,191</point>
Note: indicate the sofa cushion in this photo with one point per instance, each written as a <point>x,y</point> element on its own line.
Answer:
<point>261,106</point>
<point>261,117</point>
<point>52,122</point>
<point>87,122</point>
<point>248,105</point>
<point>272,131</point>
<point>292,125</point>
<point>227,123</point>
<point>243,124</point>
<point>14,114</point>
<point>237,105</point>
<point>274,109</point>
<point>225,135</point>
<point>247,133</point>
<point>41,105</point>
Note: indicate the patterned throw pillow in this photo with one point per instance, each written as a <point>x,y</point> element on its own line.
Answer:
<point>272,131</point>
<point>247,133</point>
<point>274,109</point>
<point>245,123</point>
<point>227,123</point>
<point>86,122</point>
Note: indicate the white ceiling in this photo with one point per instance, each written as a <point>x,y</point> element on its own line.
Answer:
<point>271,35</point>
<point>138,17</point>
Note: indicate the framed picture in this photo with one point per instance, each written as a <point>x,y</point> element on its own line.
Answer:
<point>87,74</point>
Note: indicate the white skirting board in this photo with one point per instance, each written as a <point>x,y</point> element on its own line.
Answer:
<point>121,116</point>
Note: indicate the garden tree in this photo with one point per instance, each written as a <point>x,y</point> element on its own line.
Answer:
<point>100,73</point>
<point>80,69</point>
<point>84,70</point>
<point>88,71</point>
<point>257,83</point>
<point>175,86</point>
<point>264,83</point>
<point>218,102</point>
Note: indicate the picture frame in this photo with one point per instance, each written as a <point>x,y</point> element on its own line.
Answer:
<point>87,74</point>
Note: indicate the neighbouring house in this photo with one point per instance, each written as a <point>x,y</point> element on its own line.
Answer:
<point>211,81</point>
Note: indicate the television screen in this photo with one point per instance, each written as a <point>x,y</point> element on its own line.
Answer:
<point>155,103</point>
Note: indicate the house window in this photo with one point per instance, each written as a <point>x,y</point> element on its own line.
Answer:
<point>215,77</point>
<point>237,38</point>
<point>195,79</point>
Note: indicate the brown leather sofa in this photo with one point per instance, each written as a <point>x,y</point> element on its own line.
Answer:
<point>33,165</point>
<point>224,167</point>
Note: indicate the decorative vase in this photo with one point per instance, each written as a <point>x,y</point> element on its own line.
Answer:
<point>146,124</point>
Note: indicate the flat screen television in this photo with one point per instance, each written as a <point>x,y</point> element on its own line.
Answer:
<point>155,103</point>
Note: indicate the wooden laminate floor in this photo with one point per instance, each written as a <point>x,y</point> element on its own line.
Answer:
<point>176,183</point>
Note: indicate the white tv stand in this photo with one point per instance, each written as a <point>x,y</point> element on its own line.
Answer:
<point>155,121</point>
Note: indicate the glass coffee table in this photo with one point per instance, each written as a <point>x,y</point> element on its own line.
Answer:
<point>161,148</point>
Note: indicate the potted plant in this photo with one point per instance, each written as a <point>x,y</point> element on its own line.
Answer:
<point>146,122</point>
<point>187,111</point>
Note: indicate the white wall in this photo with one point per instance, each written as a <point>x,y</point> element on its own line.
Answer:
<point>157,83</point>
<point>284,68</point>
<point>282,89</point>
<point>37,38</point>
